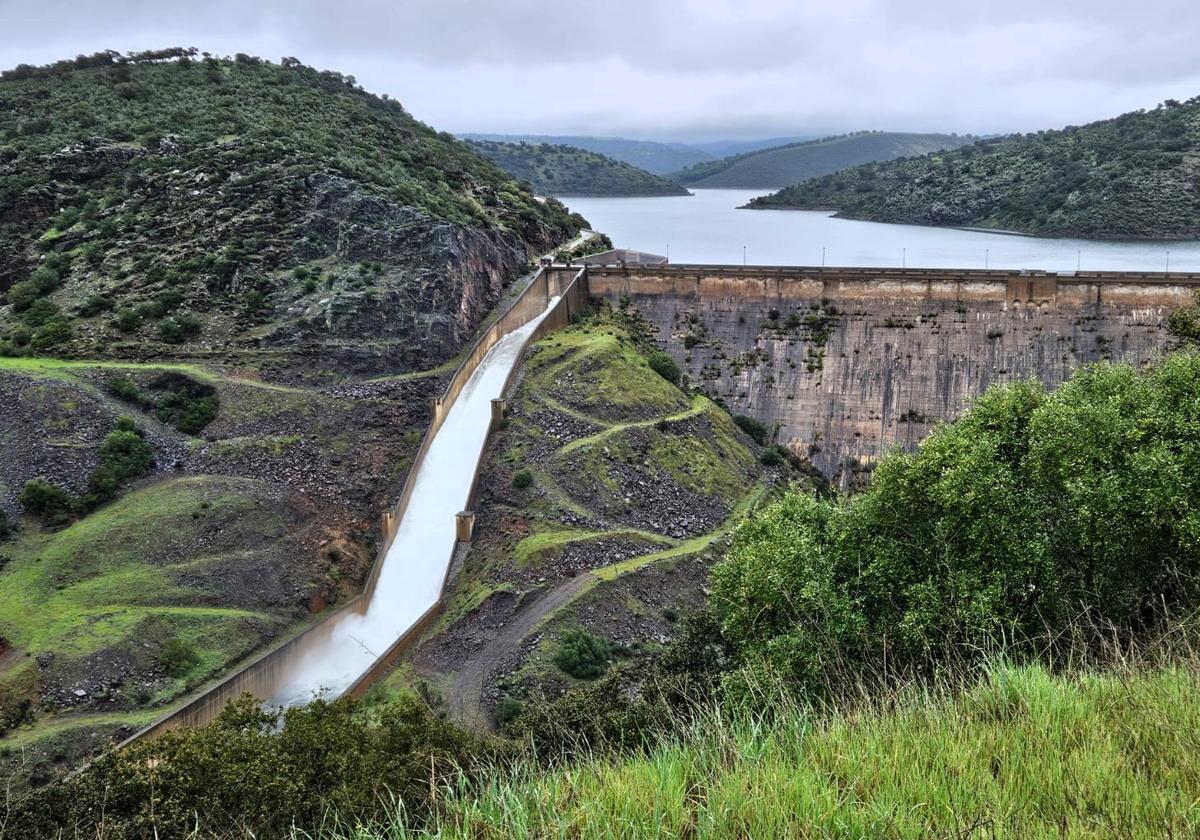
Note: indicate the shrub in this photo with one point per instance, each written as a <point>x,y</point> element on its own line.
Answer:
<point>169,299</point>
<point>275,773</point>
<point>148,310</point>
<point>179,657</point>
<point>127,320</point>
<point>7,529</point>
<point>522,479</point>
<point>753,427</point>
<point>94,305</point>
<point>773,456</point>
<point>126,389</point>
<point>583,655</point>
<point>102,486</point>
<point>1184,322</point>
<point>178,328</point>
<point>41,312</point>
<point>666,367</point>
<point>1003,525</point>
<point>45,500</point>
<point>51,334</point>
<point>126,455</point>
<point>508,709</point>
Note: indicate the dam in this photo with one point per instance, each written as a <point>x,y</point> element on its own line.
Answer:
<point>846,364</point>
<point>843,363</point>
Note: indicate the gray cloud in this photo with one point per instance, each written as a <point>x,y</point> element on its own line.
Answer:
<point>682,69</point>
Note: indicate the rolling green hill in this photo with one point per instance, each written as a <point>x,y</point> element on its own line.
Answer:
<point>658,158</point>
<point>795,162</point>
<point>1133,177</point>
<point>568,170</point>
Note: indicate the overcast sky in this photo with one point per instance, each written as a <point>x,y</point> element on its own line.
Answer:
<point>674,70</point>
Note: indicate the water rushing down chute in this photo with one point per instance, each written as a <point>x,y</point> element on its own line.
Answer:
<point>333,655</point>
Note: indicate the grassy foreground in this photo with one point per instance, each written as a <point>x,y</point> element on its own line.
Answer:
<point>1023,754</point>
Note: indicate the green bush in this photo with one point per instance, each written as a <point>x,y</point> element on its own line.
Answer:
<point>666,367</point>
<point>508,709</point>
<point>773,456</point>
<point>179,656</point>
<point>126,455</point>
<point>127,320</point>
<point>522,479</point>
<point>7,529</point>
<point>1184,322</point>
<point>41,312</point>
<point>178,328</point>
<point>270,773</point>
<point>126,389</point>
<point>1005,524</point>
<point>755,428</point>
<point>583,655</point>
<point>175,399</point>
<point>46,500</point>
<point>51,334</point>
<point>94,305</point>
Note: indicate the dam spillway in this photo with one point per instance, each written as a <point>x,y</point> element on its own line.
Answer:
<point>334,655</point>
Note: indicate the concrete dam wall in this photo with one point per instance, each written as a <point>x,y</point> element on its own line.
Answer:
<point>849,363</point>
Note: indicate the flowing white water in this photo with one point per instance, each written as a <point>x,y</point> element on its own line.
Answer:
<point>333,655</point>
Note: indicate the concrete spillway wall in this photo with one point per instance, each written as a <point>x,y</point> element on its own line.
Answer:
<point>261,676</point>
<point>850,363</point>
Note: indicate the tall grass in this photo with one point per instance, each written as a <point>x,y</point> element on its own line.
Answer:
<point>1020,752</point>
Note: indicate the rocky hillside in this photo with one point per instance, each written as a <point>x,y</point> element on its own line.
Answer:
<point>602,503</point>
<point>568,170</point>
<point>1135,176</point>
<point>164,204</point>
<point>264,274</point>
<point>796,162</point>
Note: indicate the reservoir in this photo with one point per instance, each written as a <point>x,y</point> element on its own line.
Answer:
<point>707,227</point>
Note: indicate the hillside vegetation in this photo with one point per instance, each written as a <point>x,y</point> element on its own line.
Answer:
<point>795,162</point>
<point>603,501</point>
<point>1135,176</point>
<point>658,158</point>
<point>163,203</point>
<point>880,664</point>
<point>1023,754</point>
<point>568,170</point>
<point>230,289</point>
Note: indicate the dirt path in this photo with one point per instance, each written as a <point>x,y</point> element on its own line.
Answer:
<point>466,692</point>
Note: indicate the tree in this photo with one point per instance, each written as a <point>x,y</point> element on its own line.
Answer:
<point>1005,524</point>
<point>666,367</point>
<point>45,500</point>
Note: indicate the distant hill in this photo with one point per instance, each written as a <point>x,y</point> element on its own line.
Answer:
<point>567,170</point>
<point>1134,176</point>
<point>658,158</point>
<point>728,148</point>
<point>795,162</point>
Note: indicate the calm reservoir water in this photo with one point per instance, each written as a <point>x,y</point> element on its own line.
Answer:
<point>707,228</point>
